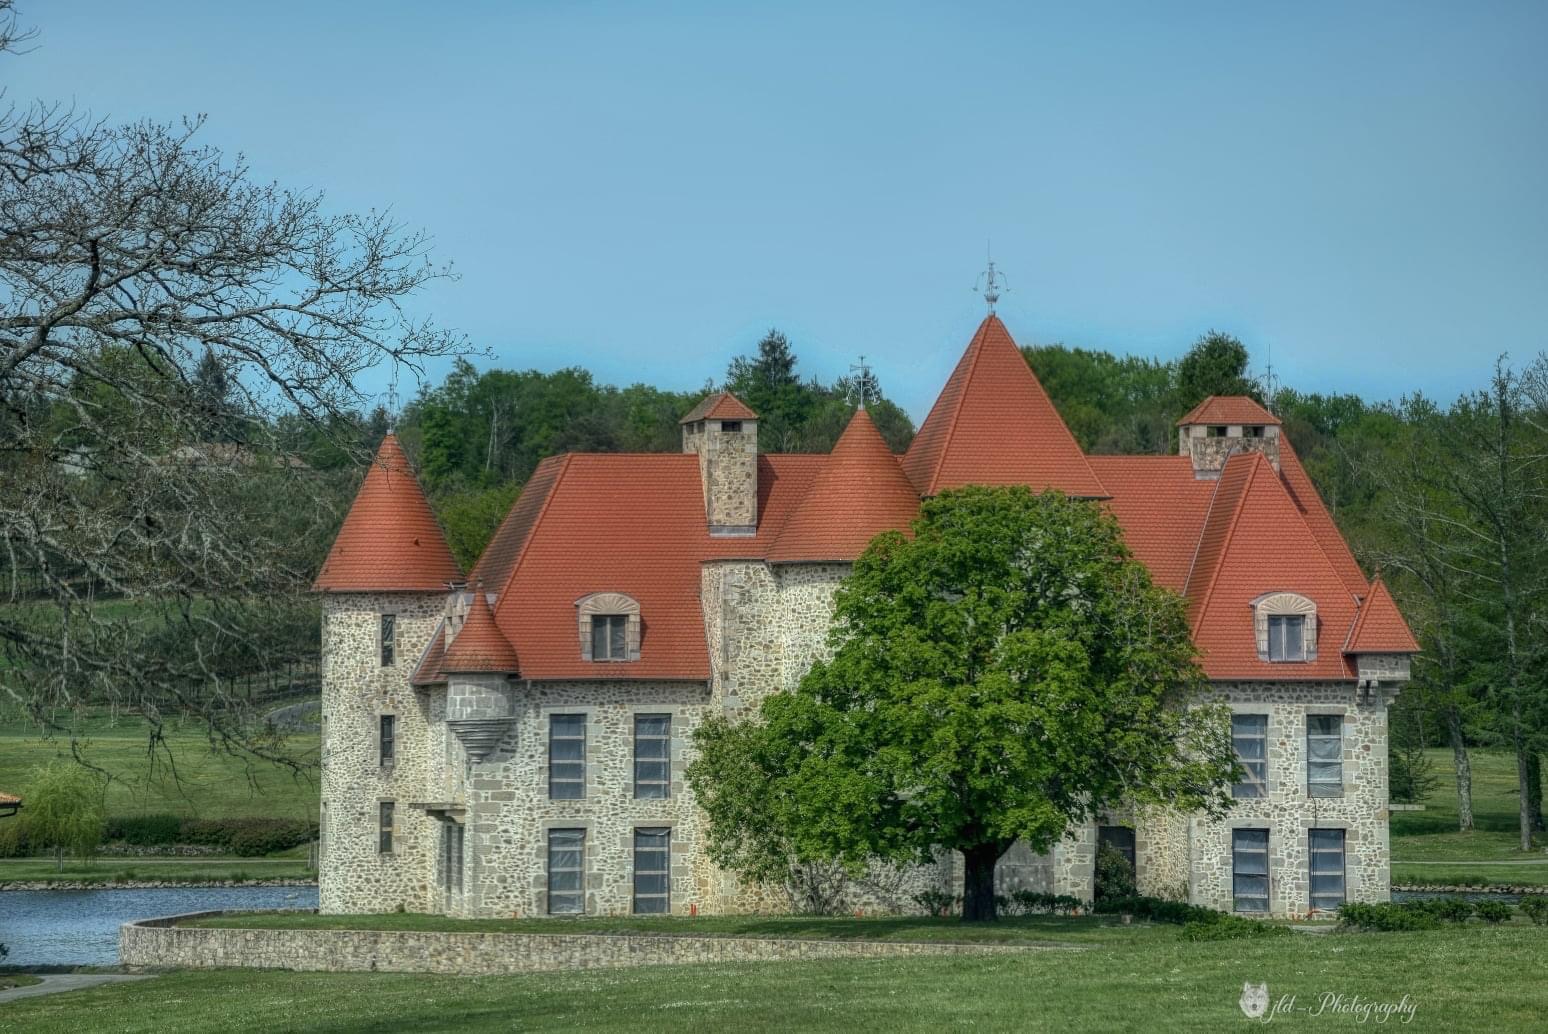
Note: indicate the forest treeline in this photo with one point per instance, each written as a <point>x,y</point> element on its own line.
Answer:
<point>1448,501</point>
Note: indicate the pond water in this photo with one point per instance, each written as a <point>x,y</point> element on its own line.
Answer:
<point>80,927</point>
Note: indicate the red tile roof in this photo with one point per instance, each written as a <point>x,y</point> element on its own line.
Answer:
<point>860,492</point>
<point>480,646</point>
<point>993,424</point>
<point>504,550</point>
<point>428,671</point>
<point>1228,410</point>
<point>1255,542</point>
<point>9,799</point>
<point>390,541</point>
<point>632,523</point>
<point>1161,506</point>
<point>1380,627</point>
<point>720,406</point>
<point>1317,518</point>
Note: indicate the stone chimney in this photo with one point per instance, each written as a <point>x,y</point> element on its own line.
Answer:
<point>723,432</point>
<point>1226,424</point>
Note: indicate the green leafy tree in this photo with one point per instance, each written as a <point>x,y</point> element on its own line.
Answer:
<point>1003,674</point>
<point>1215,365</point>
<point>65,810</point>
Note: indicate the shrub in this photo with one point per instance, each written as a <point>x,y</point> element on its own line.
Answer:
<point>1453,910</point>
<point>1359,915</point>
<point>1031,902</point>
<point>1158,910</point>
<point>1114,874</point>
<point>144,830</point>
<point>1230,928</point>
<point>934,902</point>
<point>14,842</point>
<point>248,837</point>
<point>1493,912</point>
<point>1535,908</point>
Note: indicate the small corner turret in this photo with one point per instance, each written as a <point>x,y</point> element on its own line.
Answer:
<point>723,432</point>
<point>1222,425</point>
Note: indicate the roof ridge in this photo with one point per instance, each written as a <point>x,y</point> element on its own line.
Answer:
<point>537,522</point>
<point>976,347</point>
<point>1254,458</point>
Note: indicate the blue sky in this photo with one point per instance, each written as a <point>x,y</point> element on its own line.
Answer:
<point>644,188</point>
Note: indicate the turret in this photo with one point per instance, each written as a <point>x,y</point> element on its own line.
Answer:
<point>723,432</point>
<point>1226,424</point>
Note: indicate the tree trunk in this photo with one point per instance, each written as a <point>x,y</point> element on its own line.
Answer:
<point>1523,779</point>
<point>1534,787</point>
<point>1464,769</point>
<point>978,882</point>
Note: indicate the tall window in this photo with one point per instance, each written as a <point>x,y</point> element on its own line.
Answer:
<point>384,827</point>
<point>566,757</point>
<point>1326,847</point>
<point>1325,755</point>
<point>451,855</point>
<point>653,755</point>
<point>1287,637</point>
<point>652,870</point>
<point>566,871</point>
<point>389,639</point>
<point>1249,870</point>
<point>387,738</point>
<point>1249,738</point>
<point>608,639</point>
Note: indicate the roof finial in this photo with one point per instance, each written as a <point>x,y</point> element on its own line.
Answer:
<point>864,381</point>
<point>990,282</point>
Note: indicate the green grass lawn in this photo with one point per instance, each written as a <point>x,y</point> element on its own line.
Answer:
<point>1019,929</point>
<point>1472,978</point>
<point>1431,836</point>
<point>188,870</point>
<point>189,778</point>
<point>10,980</point>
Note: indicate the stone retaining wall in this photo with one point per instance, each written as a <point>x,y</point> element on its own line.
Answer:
<point>162,944</point>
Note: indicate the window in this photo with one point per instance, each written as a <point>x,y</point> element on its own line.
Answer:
<point>1122,838</point>
<point>1326,847</point>
<point>1287,637</point>
<point>384,834</point>
<point>653,756</point>
<point>1325,755</point>
<point>730,425</point>
<point>566,757</point>
<point>451,855</point>
<point>1215,431</point>
<point>566,868</point>
<point>389,639</point>
<point>1249,870</point>
<point>608,637</point>
<point>1249,739</point>
<point>1252,432</point>
<point>387,738</point>
<point>652,871</point>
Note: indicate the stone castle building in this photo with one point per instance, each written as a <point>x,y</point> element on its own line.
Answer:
<point>511,741</point>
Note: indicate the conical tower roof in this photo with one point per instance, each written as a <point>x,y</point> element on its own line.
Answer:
<point>1380,627</point>
<point>390,541</point>
<point>993,424</point>
<point>860,492</point>
<point>480,646</point>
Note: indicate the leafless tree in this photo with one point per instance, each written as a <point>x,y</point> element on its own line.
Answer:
<point>167,326</point>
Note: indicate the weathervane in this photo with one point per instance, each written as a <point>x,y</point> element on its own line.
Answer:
<point>864,382</point>
<point>990,282</point>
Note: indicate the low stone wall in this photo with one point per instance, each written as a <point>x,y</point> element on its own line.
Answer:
<point>162,944</point>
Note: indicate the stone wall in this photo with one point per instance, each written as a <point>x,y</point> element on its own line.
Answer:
<point>1288,812</point>
<point>160,944</point>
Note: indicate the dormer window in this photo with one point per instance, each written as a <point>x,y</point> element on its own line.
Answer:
<point>609,627</point>
<point>1285,625</point>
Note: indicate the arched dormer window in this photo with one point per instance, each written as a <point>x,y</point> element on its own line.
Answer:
<point>1285,624</point>
<point>609,627</point>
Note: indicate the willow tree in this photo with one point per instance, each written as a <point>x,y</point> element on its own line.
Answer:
<point>162,315</point>
<point>1006,673</point>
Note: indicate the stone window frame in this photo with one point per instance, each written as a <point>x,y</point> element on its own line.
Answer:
<point>589,875</point>
<point>1287,604</point>
<point>1355,844</point>
<point>588,741</point>
<point>386,826</point>
<point>1266,828</point>
<point>387,648</point>
<point>385,758</point>
<point>609,603</point>
<point>1343,864</point>
<point>635,830</point>
<point>1266,712</point>
<point>1314,711</point>
<point>635,714</point>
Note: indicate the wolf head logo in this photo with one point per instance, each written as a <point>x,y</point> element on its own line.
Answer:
<point>1254,1000</point>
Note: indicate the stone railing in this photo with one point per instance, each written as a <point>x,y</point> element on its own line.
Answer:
<point>163,944</point>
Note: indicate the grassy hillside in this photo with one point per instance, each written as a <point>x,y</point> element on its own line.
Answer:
<point>185,775</point>
<point>1428,848</point>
